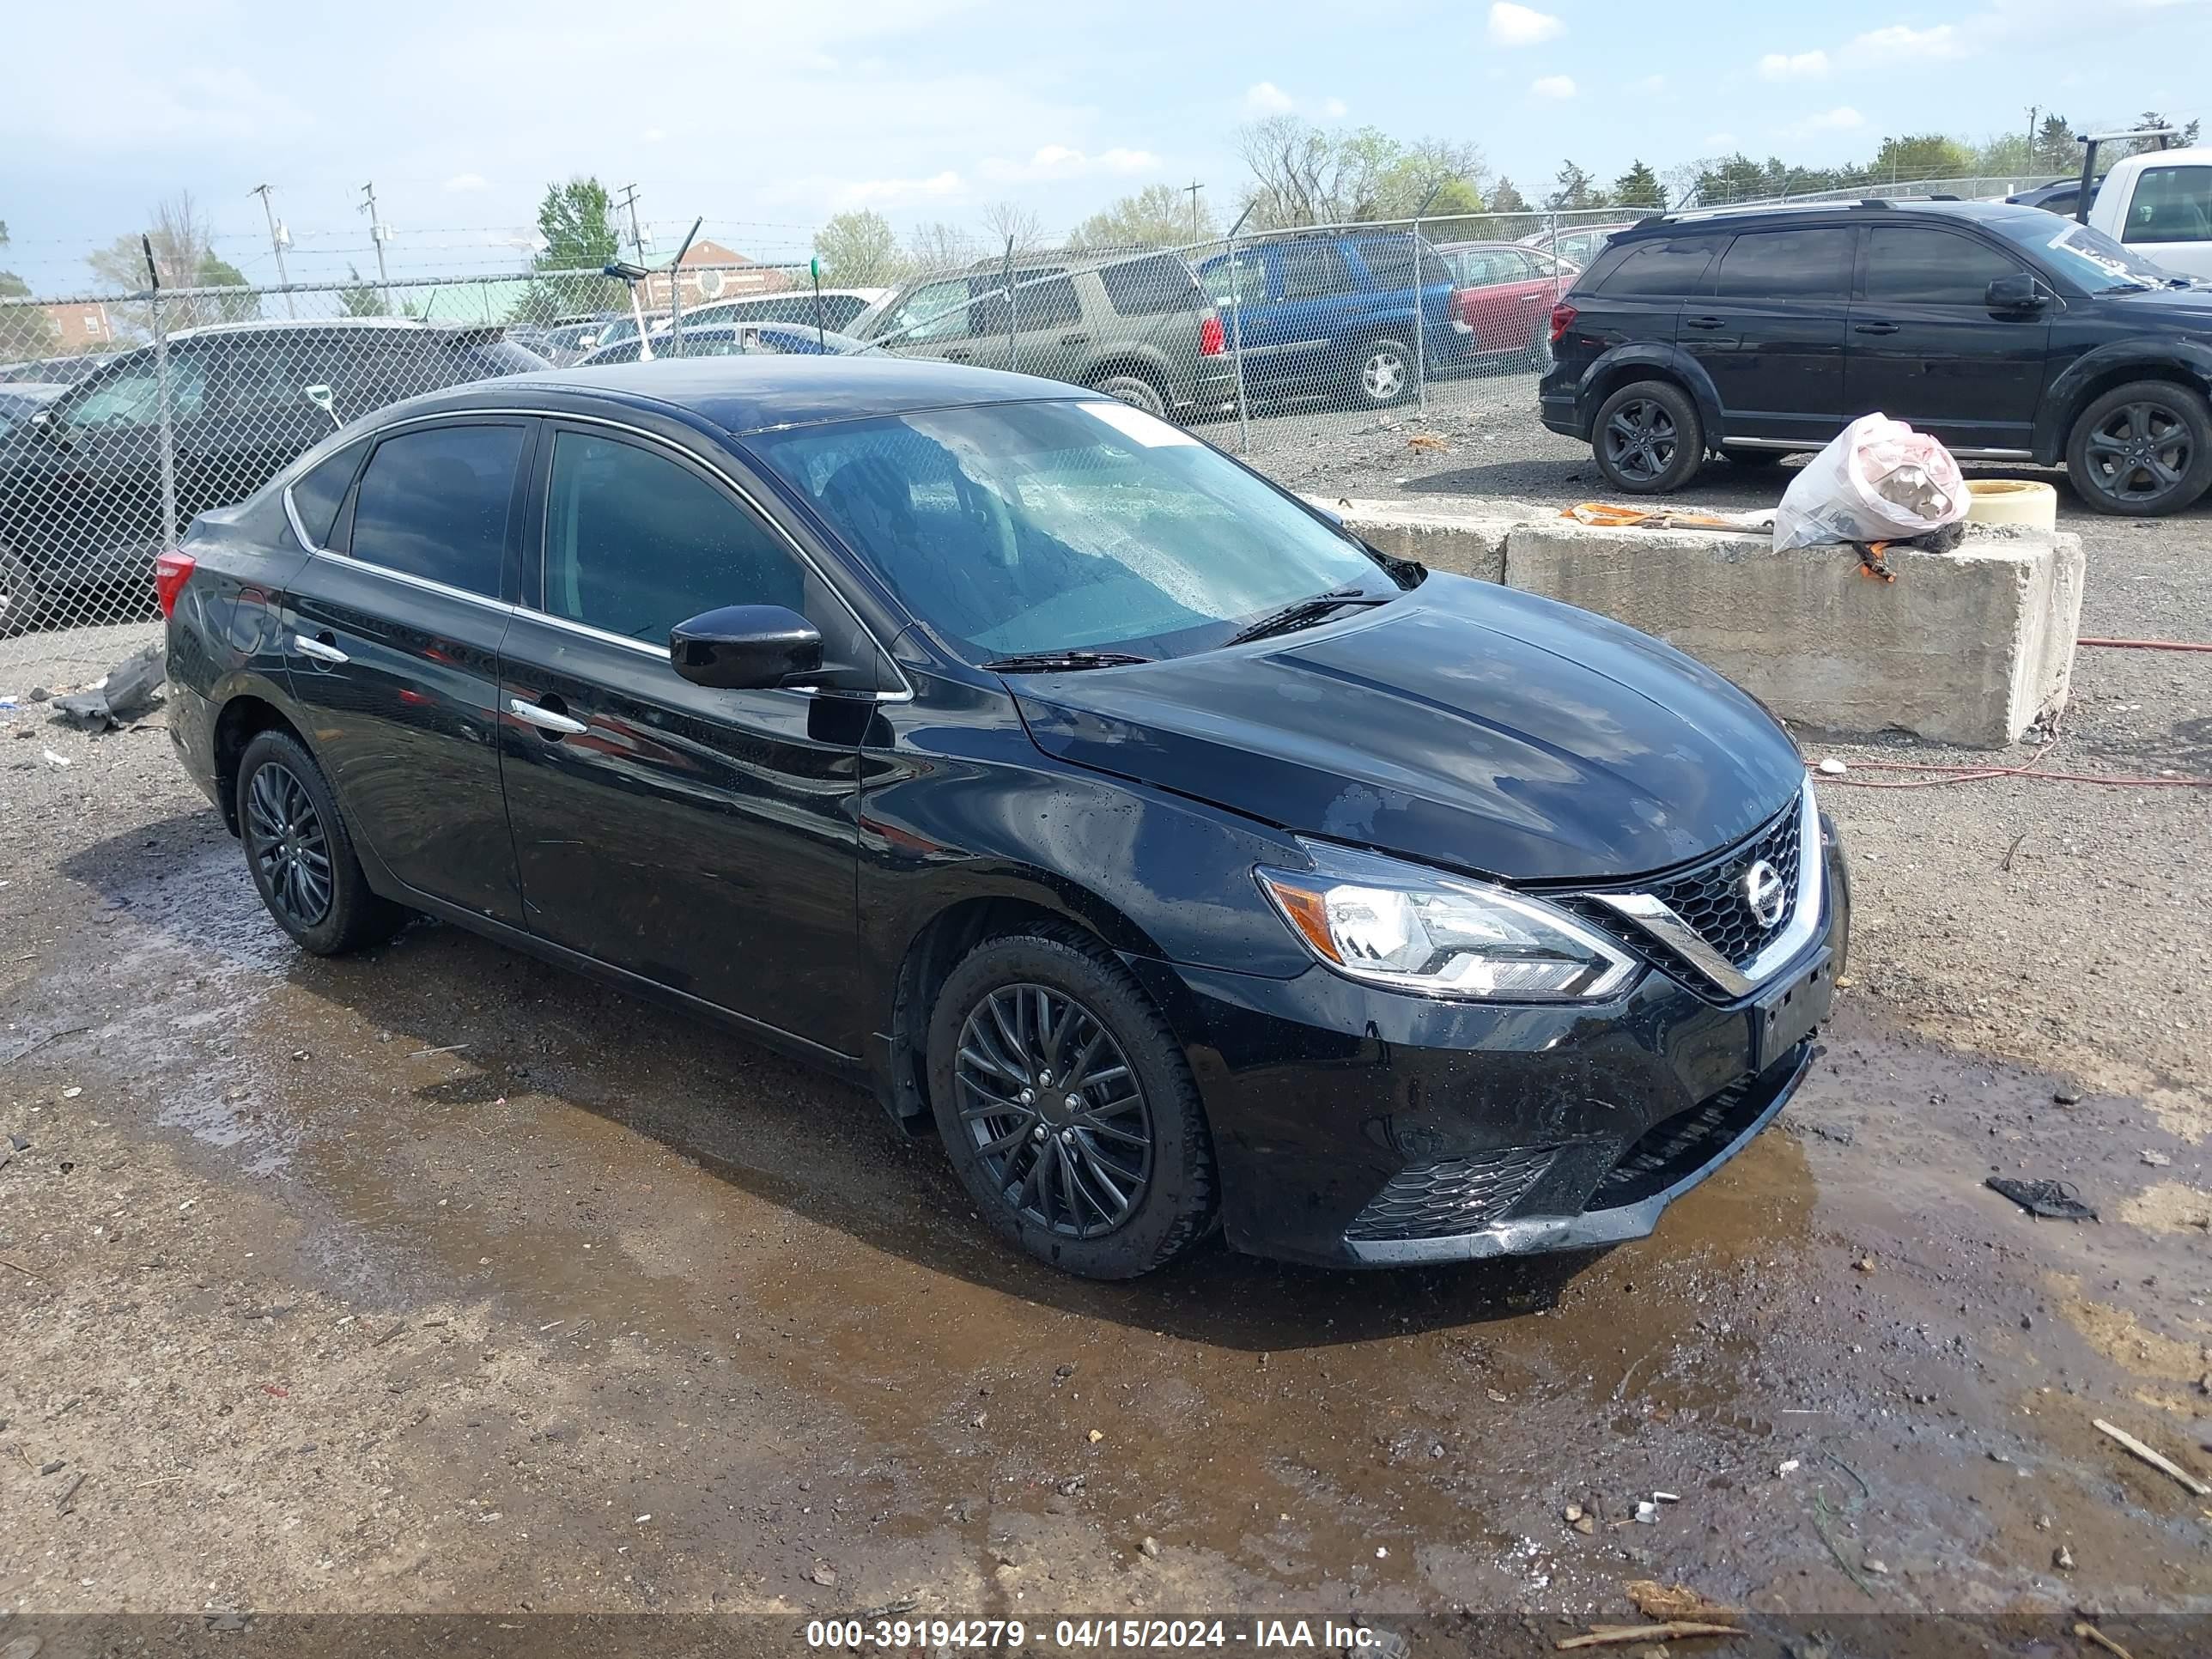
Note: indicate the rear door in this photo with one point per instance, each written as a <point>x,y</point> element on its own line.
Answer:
<point>704,840</point>
<point>262,418</point>
<point>394,632</point>
<point>1324,308</point>
<point>1043,315</point>
<point>1924,346</point>
<point>1769,330</point>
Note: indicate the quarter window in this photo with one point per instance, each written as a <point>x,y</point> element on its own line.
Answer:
<point>1909,266</point>
<point>434,503</point>
<point>1153,287</point>
<point>319,492</point>
<point>1787,264</point>
<point>2171,205</point>
<point>636,543</point>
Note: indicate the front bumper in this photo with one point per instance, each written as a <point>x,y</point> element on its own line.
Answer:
<point>1354,1126</point>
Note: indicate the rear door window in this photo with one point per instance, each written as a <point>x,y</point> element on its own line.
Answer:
<point>2171,205</point>
<point>1152,287</point>
<point>1787,264</point>
<point>1908,265</point>
<point>1313,270</point>
<point>1672,269</point>
<point>1042,298</point>
<point>434,503</point>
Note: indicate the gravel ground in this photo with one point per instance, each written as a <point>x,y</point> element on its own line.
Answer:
<point>435,1280</point>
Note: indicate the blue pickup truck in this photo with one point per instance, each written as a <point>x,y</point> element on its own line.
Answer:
<point>1333,313</point>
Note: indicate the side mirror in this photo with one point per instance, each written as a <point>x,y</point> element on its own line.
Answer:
<point>745,647</point>
<point>2018,292</point>
<point>321,396</point>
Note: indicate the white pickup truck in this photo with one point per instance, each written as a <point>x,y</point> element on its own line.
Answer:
<point>2159,203</point>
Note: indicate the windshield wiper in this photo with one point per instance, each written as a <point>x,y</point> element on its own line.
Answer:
<point>1299,613</point>
<point>1056,662</point>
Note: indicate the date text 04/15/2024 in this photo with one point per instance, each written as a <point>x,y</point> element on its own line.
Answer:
<point>1080,1635</point>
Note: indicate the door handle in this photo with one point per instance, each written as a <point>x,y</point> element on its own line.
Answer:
<point>544,718</point>
<point>1873,328</point>
<point>1702,322</point>
<point>320,650</point>
<point>1075,339</point>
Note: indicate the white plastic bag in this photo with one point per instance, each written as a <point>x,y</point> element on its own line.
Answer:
<point>1879,480</point>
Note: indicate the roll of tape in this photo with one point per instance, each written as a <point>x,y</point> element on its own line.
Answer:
<point>2012,501</point>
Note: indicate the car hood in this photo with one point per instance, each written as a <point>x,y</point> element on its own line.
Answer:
<point>2185,308</point>
<point>1463,725</point>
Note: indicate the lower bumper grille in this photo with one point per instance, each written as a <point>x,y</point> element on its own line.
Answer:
<point>1685,1142</point>
<point>1451,1195</point>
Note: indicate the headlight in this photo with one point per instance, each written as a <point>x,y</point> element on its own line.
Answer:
<point>1414,929</point>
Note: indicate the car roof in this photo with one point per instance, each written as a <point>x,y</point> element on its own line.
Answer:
<point>1827,213</point>
<point>750,393</point>
<point>2196,155</point>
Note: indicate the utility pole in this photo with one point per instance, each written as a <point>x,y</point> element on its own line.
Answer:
<point>2032,111</point>
<point>636,236</point>
<point>1193,188</point>
<point>278,236</point>
<point>378,233</point>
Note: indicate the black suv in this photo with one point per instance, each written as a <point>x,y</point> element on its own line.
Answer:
<point>81,479</point>
<point>2007,334</point>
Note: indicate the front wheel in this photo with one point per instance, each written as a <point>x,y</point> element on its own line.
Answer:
<point>2141,449</point>
<point>1648,439</point>
<point>1066,1107</point>
<point>1384,375</point>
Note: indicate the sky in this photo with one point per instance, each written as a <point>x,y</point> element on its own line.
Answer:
<point>766,118</point>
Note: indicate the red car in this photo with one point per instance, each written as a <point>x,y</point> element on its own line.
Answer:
<point>1506,292</point>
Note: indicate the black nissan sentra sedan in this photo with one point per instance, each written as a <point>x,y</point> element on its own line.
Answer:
<point>1020,755</point>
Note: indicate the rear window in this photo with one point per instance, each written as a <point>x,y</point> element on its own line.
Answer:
<point>318,493</point>
<point>1787,264</point>
<point>1151,288</point>
<point>1665,270</point>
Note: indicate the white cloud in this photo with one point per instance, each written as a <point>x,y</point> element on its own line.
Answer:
<point>1552,86</point>
<point>654,135</point>
<point>1842,119</point>
<point>1334,109</point>
<point>1266,98</point>
<point>1519,26</point>
<point>1060,161</point>
<point>1798,66</point>
<point>893,192</point>
<point>1900,41</point>
<point>461,181</point>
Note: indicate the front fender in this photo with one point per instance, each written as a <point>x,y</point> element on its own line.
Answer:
<point>1645,359</point>
<point>2063,398</point>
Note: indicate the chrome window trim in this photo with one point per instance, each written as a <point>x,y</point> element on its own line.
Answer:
<point>1654,916</point>
<point>292,517</point>
<point>904,694</point>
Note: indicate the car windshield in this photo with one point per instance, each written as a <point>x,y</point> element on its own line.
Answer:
<point>1026,527</point>
<point>2089,257</point>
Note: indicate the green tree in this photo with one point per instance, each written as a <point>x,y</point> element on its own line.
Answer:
<point>1574,188</point>
<point>360,298</point>
<point>1505,198</point>
<point>2151,118</point>
<point>859,250</point>
<point>1639,187</point>
<point>1158,216</point>
<point>2055,150</point>
<point>576,221</point>
<point>1921,155</point>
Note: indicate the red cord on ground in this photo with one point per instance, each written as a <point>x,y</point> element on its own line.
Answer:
<point>2148,645</point>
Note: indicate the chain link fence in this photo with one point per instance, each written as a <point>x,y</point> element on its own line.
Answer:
<point>124,416</point>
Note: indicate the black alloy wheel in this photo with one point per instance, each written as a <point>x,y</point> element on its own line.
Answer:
<point>1648,438</point>
<point>285,838</point>
<point>1053,1111</point>
<point>2141,449</point>
<point>1641,441</point>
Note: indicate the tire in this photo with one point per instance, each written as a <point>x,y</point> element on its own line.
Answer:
<point>1754,460</point>
<point>20,601</point>
<point>1135,390</point>
<point>1382,375</point>
<point>1045,1176</point>
<point>2141,449</point>
<point>300,855</point>
<point>1647,438</point>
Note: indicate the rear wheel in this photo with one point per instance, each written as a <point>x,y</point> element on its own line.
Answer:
<point>1066,1107</point>
<point>1383,373</point>
<point>1134,389</point>
<point>1648,439</point>
<point>2141,449</point>
<point>19,598</point>
<point>300,853</point>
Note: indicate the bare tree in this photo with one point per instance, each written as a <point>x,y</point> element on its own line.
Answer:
<point>1303,174</point>
<point>938,246</point>
<point>1158,216</point>
<point>1296,171</point>
<point>1009,220</point>
<point>183,254</point>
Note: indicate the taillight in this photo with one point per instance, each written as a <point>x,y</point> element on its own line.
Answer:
<point>171,570</point>
<point>1211,340</point>
<point>1563,318</point>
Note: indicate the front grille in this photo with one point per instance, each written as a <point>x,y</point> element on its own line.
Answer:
<point>1451,1195</point>
<point>1685,1142</point>
<point>1711,899</point>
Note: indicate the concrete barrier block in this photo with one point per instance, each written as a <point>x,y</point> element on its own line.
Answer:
<point>1966,648</point>
<point>1468,537</point>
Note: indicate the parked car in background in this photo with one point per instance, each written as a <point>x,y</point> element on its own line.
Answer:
<point>623,326</point>
<point>1342,314</point>
<point>1506,292</point>
<point>731,340</point>
<point>56,371</point>
<point>1099,804</point>
<point>564,342</point>
<point>838,307</point>
<point>1576,244</point>
<point>2060,197</point>
<point>2006,333</point>
<point>21,399</point>
<point>1138,327</point>
<point>2159,204</point>
<point>81,478</point>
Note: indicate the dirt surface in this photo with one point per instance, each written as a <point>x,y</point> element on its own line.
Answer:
<point>436,1280</point>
